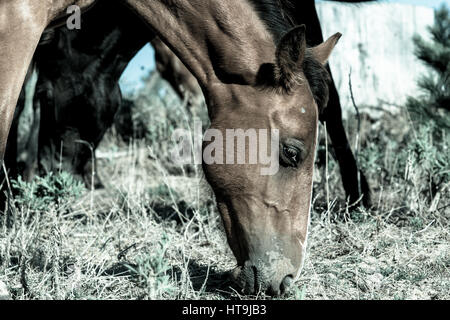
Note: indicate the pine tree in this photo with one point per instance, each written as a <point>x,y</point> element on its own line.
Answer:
<point>432,106</point>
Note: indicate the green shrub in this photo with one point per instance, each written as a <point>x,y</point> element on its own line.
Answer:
<point>43,192</point>
<point>427,157</point>
<point>433,105</point>
<point>151,271</point>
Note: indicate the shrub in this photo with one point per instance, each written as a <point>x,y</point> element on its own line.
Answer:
<point>151,271</point>
<point>433,105</point>
<point>428,156</point>
<point>43,192</point>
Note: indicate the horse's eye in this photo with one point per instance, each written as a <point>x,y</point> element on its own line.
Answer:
<point>291,156</point>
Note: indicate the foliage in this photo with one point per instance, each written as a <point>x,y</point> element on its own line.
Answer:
<point>433,105</point>
<point>151,270</point>
<point>43,192</point>
<point>426,165</point>
<point>428,156</point>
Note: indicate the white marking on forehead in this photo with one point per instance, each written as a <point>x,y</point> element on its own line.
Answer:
<point>303,110</point>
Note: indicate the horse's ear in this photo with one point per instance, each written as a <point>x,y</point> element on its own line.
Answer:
<point>323,51</point>
<point>289,56</point>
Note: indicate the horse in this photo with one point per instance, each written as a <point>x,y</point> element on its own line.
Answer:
<point>75,117</point>
<point>353,180</point>
<point>250,79</point>
<point>176,74</point>
<point>58,147</point>
<point>77,90</point>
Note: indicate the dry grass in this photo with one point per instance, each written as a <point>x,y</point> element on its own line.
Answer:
<point>154,232</point>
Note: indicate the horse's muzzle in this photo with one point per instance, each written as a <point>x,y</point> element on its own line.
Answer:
<point>255,278</point>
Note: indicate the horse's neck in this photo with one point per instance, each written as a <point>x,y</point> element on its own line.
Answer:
<point>217,40</point>
<point>103,47</point>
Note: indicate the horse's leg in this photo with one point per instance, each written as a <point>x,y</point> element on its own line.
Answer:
<point>332,114</point>
<point>49,150</point>
<point>98,118</point>
<point>21,25</point>
<point>12,145</point>
<point>14,165</point>
<point>344,155</point>
<point>31,147</point>
<point>11,154</point>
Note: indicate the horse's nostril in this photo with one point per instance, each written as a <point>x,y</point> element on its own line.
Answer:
<point>255,279</point>
<point>252,280</point>
<point>286,283</point>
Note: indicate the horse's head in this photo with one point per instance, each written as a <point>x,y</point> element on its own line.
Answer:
<point>266,210</point>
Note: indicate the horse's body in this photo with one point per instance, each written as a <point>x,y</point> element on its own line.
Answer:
<point>77,88</point>
<point>250,79</point>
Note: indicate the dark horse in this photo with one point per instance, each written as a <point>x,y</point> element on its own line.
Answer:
<point>251,78</point>
<point>70,66</point>
<point>77,90</point>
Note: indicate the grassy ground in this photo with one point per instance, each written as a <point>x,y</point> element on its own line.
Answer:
<point>154,231</point>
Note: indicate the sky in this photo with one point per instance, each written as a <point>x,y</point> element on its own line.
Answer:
<point>426,3</point>
<point>138,68</point>
<point>145,62</point>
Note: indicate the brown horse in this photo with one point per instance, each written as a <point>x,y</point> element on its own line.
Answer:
<point>182,81</point>
<point>71,62</point>
<point>249,80</point>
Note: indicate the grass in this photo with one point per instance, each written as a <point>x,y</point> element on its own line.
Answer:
<point>154,231</point>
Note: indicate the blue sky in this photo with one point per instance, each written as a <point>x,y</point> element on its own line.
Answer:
<point>144,60</point>
<point>426,3</point>
<point>139,67</point>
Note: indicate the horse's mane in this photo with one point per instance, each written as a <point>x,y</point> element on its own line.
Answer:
<point>274,15</point>
<point>279,17</point>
